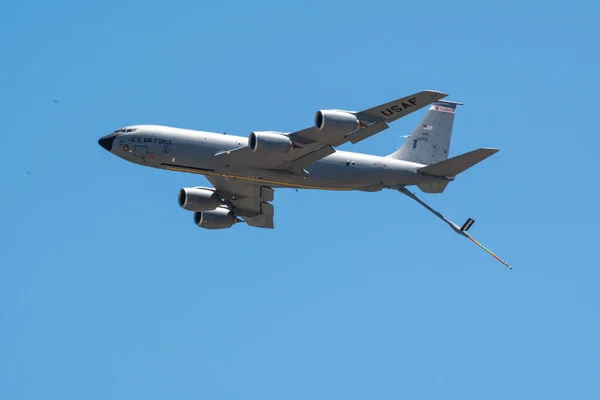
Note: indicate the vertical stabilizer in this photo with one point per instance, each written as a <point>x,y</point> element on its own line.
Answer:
<point>429,143</point>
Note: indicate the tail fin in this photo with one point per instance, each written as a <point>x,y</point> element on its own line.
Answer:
<point>429,143</point>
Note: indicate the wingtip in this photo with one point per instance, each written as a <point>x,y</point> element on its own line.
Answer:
<point>491,150</point>
<point>436,93</point>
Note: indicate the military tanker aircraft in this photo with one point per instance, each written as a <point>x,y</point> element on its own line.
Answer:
<point>244,171</point>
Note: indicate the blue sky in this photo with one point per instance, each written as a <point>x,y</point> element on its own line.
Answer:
<point>108,289</point>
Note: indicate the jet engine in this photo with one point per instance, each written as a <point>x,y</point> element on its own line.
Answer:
<point>198,199</point>
<point>336,121</point>
<point>219,218</point>
<point>269,142</point>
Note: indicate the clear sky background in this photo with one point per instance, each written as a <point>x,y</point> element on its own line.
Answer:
<point>109,291</point>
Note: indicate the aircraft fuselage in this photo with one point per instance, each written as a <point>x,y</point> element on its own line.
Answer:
<point>194,152</point>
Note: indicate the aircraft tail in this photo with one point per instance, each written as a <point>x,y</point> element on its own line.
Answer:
<point>429,143</point>
<point>451,167</point>
<point>455,165</point>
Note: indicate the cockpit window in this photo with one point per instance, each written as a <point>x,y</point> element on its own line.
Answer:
<point>125,130</point>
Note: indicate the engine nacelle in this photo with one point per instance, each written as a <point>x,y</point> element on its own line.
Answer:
<point>336,121</point>
<point>219,218</point>
<point>198,199</point>
<point>269,142</point>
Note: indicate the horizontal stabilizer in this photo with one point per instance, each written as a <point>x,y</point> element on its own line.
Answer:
<point>455,165</point>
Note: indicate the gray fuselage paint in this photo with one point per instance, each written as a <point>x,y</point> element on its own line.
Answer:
<point>193,151</point>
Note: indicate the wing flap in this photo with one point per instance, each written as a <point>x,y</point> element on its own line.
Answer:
<point>264,219</point>
<point>249,201</point>
<point>369,131</point>
<point>314,156</point>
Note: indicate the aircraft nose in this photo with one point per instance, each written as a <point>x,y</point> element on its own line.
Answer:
<point>107,141</point>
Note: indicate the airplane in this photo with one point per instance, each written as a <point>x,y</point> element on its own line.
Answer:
<point>245,171</point>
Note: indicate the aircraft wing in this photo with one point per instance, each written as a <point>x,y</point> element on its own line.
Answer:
<point>311,144</point>
<point>249,201</point>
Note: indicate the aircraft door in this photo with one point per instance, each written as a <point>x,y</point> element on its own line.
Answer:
<point>140,151</point>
